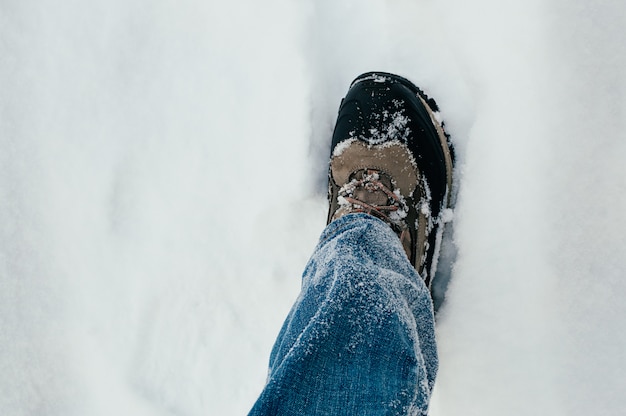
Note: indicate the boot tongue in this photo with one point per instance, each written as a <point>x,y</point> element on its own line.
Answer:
<point>369,193</point>
<point>375,197</point>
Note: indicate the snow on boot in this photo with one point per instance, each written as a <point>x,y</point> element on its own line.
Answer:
<point>391,159</point>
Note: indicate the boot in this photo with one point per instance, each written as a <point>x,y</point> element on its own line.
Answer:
<point>391,158</point>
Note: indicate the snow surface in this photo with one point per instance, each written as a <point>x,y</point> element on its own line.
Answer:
<point>162,178</point>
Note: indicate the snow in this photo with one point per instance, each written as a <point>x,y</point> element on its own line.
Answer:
<point>342,146</point>
<point>162,182</point>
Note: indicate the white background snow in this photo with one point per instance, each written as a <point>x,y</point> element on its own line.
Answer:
<point>162,174</point>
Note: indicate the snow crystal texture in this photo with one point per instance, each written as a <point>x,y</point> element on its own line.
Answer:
<point>162,180</point>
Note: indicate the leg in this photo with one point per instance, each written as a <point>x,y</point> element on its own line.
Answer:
<point>360,338</point>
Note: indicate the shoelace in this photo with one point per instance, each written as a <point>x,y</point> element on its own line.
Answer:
<point>371,183</point>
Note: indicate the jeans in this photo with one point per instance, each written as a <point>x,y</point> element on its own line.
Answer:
<point>359,339</point>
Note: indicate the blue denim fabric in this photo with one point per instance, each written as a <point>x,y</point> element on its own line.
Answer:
<point>359,339</point>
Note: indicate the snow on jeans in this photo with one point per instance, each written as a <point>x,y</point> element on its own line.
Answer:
<point>359,339</point>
